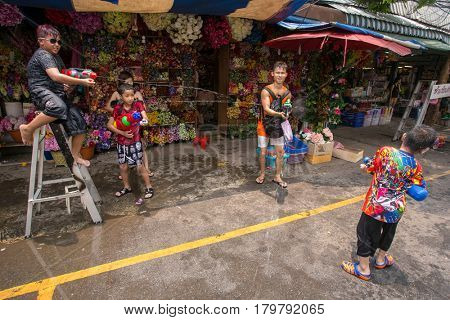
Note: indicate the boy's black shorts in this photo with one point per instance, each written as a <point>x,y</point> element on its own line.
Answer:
<point>374,234</point>
<point>130,154</point>
<point>58,106</point>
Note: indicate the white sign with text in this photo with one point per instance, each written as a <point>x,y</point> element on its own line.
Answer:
<point>440,91</point>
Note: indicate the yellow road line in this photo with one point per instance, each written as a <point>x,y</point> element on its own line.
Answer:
<point>46,293</point>
<point>47,286</point>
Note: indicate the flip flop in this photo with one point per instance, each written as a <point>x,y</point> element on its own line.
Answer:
<point>261,181</point>
<point>122,192</point>
<point>282,184</point>
<point>388,261</point>
<point>351,268</point>
<point>148,193</point>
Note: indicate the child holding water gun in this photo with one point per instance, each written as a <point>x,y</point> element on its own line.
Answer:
<point>395,171</point>
<point>48,85</point>
<point>129,145</point>
<point>126,77</point>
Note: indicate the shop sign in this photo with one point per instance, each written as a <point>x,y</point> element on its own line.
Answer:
<point>440,91</point>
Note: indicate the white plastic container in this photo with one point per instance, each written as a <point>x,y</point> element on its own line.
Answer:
<point>376,117</point>
<point>368,118</point>
<point>14,109</point>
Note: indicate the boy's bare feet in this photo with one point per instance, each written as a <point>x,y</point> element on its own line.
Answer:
<point>27,134</point>
<point>83,162</point>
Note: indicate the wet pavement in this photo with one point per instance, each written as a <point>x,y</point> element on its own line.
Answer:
<point>206,194</point>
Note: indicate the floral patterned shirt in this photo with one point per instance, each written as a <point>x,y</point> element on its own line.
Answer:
<point>394,171</point>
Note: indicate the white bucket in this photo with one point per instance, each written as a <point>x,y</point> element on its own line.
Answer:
<point>27,107</point>
<point>14,109</point>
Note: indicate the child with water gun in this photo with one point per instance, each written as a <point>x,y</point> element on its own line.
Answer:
<point>396,172</point>
<point>127,116</point>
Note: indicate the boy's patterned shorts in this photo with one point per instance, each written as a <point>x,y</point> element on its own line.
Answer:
<point>131,154</point>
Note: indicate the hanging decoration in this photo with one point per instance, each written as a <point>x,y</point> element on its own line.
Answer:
<point>117,22</point>
<point>10,15</point>
<point>86,22</point>
<point>158,21</point>
<point>186,29</point>
<point>217,32</point>
<point>240,28</point>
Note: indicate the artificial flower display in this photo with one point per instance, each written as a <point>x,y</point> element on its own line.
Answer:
<point>217,31</point>
<point>87,22</point>
<point>117,22</point>
<point>240,28</point>
<point>158,21</point>
<point>186,29</point>
<point>9,15</point>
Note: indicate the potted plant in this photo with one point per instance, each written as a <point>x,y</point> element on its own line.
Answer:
<point>90,141</point>
<point>10,125</point>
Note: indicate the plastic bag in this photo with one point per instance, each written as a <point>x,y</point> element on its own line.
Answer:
<point>287,130</point>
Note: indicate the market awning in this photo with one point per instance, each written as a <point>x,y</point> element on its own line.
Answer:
<point>385,22</point>
<point>315,41</point>
<point>262,10</point>
<point>298,23</point>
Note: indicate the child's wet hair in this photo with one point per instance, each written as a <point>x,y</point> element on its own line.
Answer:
<point>45,30</point>
<point>124,87</point>
<point>420,138</point>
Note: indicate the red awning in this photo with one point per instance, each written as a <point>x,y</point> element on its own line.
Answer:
<point>314,41</point>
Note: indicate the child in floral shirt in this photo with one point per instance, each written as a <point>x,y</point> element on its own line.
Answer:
<point>394,171</point>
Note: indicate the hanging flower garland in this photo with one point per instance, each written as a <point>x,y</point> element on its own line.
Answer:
<point>117,22</point>
<point>217,32</point>
<point>240,28</point>
<point>9,15</point>
<point>158,21</point>
<point>59,17</point>
<point>87,22</point>
<point>186,29</point>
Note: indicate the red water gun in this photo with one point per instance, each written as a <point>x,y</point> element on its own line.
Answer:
<point>79,73</point>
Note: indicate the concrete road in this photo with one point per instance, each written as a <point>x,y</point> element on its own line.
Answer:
<point>212,233</point>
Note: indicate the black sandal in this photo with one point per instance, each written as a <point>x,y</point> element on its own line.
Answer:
<point>282,184</point>
<point>148,193</point>
<point>122,192</point>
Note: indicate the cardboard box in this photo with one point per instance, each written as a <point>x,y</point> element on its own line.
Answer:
<point>319,153</point>
<point>316,159</point>
<point>320,149</point>
<point>348,154</point>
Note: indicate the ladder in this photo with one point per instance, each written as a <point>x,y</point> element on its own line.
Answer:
<point>423,110</point>
<point>83,186</point>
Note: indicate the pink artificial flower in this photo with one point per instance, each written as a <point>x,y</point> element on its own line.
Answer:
<point>96,133</point>
<point>327,132</point>
<point>107,134</point>
<point>342,81</point>
<point>337,111</point>
<point>317,138</point>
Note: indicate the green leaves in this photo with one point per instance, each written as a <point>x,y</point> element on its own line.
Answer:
<point>384,5</point>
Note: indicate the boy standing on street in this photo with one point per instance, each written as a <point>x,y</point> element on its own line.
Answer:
<point>394,171</point>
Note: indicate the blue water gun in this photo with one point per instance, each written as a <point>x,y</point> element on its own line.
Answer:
<point>416,192</point>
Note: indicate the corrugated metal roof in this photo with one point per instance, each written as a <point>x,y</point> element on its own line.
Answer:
<point>434,16</point>
<point>384,22</point>
<point>431,44</point>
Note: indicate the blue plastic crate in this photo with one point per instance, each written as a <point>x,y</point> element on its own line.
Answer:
<point>296,146</point>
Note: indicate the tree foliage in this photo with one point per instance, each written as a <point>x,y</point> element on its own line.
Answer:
<point>384,5</point>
